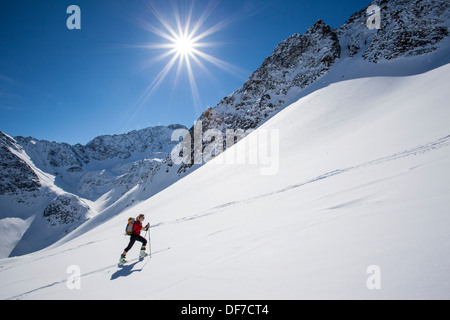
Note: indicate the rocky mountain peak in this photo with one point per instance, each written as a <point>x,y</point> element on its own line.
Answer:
<point>408,28</point>
<point>296,62</point>
<point>319,27</point>
<point>17,176</point>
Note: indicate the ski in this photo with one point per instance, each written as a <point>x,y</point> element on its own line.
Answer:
<point>121,264</point>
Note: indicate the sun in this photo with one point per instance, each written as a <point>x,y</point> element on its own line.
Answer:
<point>184,45</point>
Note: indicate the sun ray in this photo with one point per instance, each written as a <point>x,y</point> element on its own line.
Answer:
<point>193,84</point>
<point>205,15</point>
<point>162,75</point>
<point>154,85</point>
<point>164,23</point>
<point>227,67</point>
<point>205,70</point>
<point>188,21</point>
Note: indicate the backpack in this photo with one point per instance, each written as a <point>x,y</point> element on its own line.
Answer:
<point>129,227</point>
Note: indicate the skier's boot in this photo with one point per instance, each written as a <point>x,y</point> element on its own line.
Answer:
<point>142,254</point>
<point>122,260</point>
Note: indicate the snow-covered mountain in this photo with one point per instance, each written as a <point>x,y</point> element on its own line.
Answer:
<point>103,162</point>
<point>408,28</point>
<point>52,189</point>
<point>48,189</point>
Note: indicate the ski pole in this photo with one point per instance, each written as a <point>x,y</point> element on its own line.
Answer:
<point>149,242</point>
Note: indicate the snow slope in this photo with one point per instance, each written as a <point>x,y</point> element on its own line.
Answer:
<point>362,181</point>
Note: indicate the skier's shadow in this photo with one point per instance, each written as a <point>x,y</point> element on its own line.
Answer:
<point>125,271</point>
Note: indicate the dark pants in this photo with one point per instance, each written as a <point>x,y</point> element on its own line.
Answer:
<point>133,239</point>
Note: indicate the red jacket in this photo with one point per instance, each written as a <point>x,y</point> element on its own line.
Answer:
<point>137,228</point>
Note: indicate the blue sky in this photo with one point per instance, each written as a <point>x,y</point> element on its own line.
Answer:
<point>73,85</point>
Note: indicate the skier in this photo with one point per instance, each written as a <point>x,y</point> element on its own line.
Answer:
<point>136,235</point>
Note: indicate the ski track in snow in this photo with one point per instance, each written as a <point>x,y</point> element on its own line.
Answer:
<point>125,270</point>
<point>429,147</point>
<point>2,269</point>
